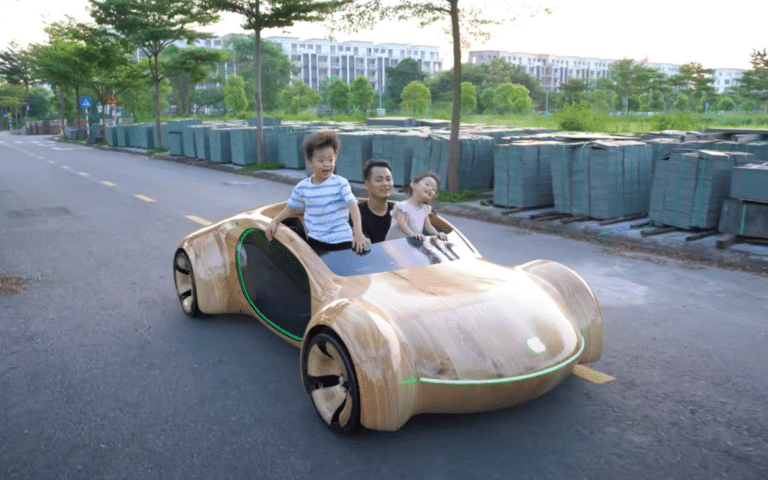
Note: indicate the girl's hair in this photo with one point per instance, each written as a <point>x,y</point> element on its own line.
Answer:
<point>421,176</point>
<point>320,139</point>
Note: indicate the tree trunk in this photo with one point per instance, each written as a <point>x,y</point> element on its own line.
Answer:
<point>453,149</point>
<point>260,151</point>
<point>63,106</point>
<point>77,109</point>
<point>156,81</point>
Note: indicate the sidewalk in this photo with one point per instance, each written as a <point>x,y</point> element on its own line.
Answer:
<point>626,235</point>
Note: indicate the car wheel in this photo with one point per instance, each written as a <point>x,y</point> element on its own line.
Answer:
<point>184,278</point>
<point>329,377</point>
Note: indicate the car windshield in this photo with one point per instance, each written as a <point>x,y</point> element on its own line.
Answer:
<point>397,255</point>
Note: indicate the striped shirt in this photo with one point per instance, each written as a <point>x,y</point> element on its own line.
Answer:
<point>326,215</point>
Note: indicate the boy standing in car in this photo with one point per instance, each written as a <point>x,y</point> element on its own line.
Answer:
<point>326,200</point>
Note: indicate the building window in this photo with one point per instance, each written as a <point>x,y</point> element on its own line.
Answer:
<point>333,48</point>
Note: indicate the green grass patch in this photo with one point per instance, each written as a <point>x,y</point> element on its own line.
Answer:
<point>153,151</point>
<point>264,166</point>
<point>461,195</point>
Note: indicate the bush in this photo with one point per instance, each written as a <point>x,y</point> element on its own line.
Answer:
<point>681,121</point>
<point>577,117</point>
<point>461,195</point>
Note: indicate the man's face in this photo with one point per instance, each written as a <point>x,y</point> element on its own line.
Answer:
<point>379,183</point>
<point>322,163</point>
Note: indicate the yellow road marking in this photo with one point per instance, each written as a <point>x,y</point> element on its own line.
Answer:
<point>41,158</point>
<point>84,174</point>
<point>65,167</point>
<point>592,375</point>
<point>109,184</point>
<point>199,220</point>
<point>144,197</point>
<point>51,161</point>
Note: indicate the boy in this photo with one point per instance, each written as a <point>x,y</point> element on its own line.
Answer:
<point>325,198</point>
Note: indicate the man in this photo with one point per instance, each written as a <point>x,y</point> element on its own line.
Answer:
<point>376,212</point>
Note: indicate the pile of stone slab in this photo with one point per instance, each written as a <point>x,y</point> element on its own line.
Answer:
<point>602,179</point>
<point>745,213</point>
<point>522,175</point>
<point>690,187</point>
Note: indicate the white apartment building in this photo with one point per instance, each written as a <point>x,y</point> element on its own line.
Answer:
<point>552,70</point>
<point>318,60</point>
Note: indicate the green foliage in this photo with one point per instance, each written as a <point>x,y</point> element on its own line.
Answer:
<point>361,93</point>
<point>441,84</point>
<point>600,101</point>
<point>153,151</point>
<point>139,102</point>
<point>209,97</point>
<point>681,102</point>
<point>726,103</point>
<point>263,166</point>
<point>276,68</point>
<point>461,195</point>
<point>577,117</point>
<point>299,96</point>
<point>337,95</point>
<point>234,94</point>
<point>575,90</point>
<point>468,97</point>
<point>754,82</point>
<point>680,121</point>
<point>508,97</point>
<point>486,100</point>
<point>416,97</point>
<point>399,76</point>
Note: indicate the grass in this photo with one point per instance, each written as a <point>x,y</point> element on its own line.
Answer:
<point>461,195</point>
<point>265,166</point>
<point>153,151</point>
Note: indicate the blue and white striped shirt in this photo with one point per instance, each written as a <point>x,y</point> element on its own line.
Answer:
<point>326,215</point>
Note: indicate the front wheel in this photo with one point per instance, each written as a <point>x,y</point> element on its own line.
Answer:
<point>329,377</point>
<point>184,278</point>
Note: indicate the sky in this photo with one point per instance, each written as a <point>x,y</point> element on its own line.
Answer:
<point>663,31</point>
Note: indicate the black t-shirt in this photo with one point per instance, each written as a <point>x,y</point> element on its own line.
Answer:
<point>374,226</point>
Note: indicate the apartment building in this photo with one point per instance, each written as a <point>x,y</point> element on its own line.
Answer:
<point>318,60</point>
<point>552,70</point>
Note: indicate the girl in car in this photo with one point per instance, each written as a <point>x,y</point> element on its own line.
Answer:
<point>412,215</point>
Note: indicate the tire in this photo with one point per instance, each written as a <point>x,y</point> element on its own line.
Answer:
<point>184,279</point>
<point>329,378</point>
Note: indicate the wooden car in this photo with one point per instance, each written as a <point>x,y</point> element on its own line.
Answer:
<point>409,327</point>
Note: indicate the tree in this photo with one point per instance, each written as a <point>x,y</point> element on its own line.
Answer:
<point>153,25</point>
<point>405,72</point>
<point>416,97</point>
<point>468,97</point>
<point>16,68</point>
<point>681,103</point>
<point>509,97</point>
<point>486,99</point>
<point>261,14</point>
<point>627,78</point>
<point>337,93</point>
<point>697,82</point>
<point>209,97</point>
<point>361,93</point>
<point>726,103</point>
<point>575,90</point>
<point>754,82</point>
<point>276,68</point>
<point>441,85</point>
<point>465,19</point>
<point>300,96</point>
<point>234,94</point>
<point>600,101</point>
<point>499,71</point>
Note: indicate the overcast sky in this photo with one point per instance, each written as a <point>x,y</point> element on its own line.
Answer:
<point>664,31</point>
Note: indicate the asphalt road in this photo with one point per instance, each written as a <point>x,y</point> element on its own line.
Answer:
<point>103,376</point>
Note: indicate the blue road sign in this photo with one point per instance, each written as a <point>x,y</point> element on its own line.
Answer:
<point>85,102</point>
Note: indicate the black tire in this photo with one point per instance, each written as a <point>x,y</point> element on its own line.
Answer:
<point>329,378</point>
<point>184,280</point>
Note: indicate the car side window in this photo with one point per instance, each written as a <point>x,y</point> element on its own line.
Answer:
<point>275,283</point>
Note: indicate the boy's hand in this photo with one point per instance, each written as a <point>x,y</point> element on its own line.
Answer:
<point>360,242</point>
<point>418,237</point>
<point>270,230</point>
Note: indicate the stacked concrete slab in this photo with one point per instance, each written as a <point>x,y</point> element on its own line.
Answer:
<point>475,159</point>
<point>392,122</point>
<point>602,179</point>
<point>746,212</point>
<point>220,149</point>
<point>356,149</point>
<point>397,148</point>
<point>522,175</point>
<point>689,189</point>
<point>173,136</point>
<point>202,141</point>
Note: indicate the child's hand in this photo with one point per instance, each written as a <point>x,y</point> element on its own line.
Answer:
<point>418,237</point>
<point>360,242</point>
<point>270,230</point>
<point>442,236</point>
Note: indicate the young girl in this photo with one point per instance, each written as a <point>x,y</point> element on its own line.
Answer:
<point>412,215</point>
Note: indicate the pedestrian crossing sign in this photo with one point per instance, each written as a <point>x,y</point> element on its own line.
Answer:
<point>85,102</point>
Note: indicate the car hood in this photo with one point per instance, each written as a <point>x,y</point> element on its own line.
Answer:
<point>473,320</point>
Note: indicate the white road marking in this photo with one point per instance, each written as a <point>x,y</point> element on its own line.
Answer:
<point>109,184</point>
<point>199,220</point>
<point>145,198</point>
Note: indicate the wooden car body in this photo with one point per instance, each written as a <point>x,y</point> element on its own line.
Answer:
<point>430,327</point>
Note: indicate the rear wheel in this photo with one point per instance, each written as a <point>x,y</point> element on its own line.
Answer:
<point>184,279</point>
<point>329,377</point>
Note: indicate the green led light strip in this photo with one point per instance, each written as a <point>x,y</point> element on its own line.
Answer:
<point>248,297</point>
<point>490,381</point>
